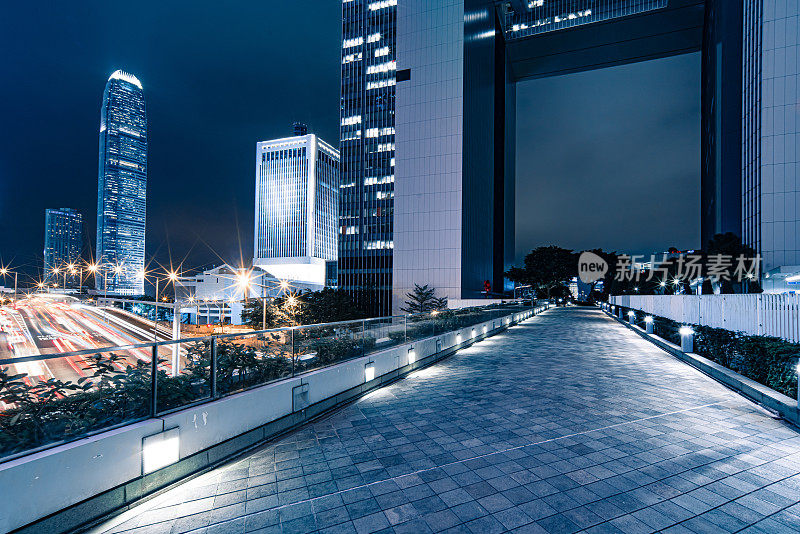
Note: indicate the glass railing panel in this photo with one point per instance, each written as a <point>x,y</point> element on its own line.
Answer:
<point>247,360</point>
<point>52,400</point>
<point>184,374</point>
<point>323,345</point>
<point>384,333</point>
<point>420,326</point>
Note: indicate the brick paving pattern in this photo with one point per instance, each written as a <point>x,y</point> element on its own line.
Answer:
<point>566,423</point>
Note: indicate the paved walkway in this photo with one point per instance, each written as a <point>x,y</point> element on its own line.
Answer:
<point>565,423</point>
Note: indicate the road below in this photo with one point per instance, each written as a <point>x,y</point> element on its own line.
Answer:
<point>53,325</point>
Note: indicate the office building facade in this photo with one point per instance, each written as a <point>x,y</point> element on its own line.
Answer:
<point>296,207</point>
<point>63,240</point>
<point>122,186</point>
<point>367,147</point>
<point>771,138</point>
<point>721,108</point>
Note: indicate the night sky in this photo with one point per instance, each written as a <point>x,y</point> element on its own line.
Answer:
<point>599,154</point>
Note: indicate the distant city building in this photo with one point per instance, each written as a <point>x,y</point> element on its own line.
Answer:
<point>367,146</point>
<point>298,128</point>
<point>771,140</point>
<point>297,205</point>
<point>122,186</point>
<point>63,240</point>
<point>215,295</point>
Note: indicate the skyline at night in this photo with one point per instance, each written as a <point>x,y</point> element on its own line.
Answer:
<point>201,131</point>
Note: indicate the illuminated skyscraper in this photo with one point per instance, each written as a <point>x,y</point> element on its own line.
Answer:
<point>63,239</point>
<point>122,185</point>
<point>771,139</point>
<point>366,240</point>
<point>297,205</point>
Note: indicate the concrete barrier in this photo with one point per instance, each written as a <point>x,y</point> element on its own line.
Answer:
<point>74,484</point>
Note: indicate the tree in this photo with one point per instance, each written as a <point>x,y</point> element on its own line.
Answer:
<point>423,300</point>
<point>328,306</point>
<point>546,268</point>
<point>730,244</point>
<point>253,314</point>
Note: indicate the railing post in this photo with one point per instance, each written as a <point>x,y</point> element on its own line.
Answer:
<point>153,381</point>
<point>213,368</point>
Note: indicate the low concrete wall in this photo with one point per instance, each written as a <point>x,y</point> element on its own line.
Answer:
<point>769,398</point>
<point>71,485</point>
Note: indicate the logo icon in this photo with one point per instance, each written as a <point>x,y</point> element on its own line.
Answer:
<point>591,267</point>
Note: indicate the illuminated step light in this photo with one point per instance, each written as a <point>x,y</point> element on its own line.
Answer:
<point>412,356</point>
<point>160,450</point>
<point>369,372</point>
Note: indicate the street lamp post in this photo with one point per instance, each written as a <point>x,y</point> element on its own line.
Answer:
<point>4,271</point>
<point>245,281</point>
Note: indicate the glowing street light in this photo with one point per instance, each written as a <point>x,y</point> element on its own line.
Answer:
<point>4,271</point>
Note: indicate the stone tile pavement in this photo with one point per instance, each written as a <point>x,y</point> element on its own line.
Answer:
<point>568,422</point>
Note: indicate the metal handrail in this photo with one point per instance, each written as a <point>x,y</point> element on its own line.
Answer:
<point>150,344</point>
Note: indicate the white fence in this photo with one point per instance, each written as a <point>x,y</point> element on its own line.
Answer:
<point>765,314</point>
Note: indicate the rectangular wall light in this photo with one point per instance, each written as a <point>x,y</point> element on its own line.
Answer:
<point>412,356</point>
<point>160,450</point>
<point>369,372</point>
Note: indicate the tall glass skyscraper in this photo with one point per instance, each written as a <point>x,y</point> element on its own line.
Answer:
<point>771,138</point>
<point>63,239</point>
<point>367,142</point>
<point>122,186</point>
<point>297,205</point>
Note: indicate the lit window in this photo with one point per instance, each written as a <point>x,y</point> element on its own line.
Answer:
<point>374,38</point>
<point>381,84</point>
<point>382,51</point>
<point>376,245</point>
<point>382,67</point>
<point>374,6</point>
<point>350,58</point>
<point>375,180</point>
<point>349,43</point>
<point>349,121</point>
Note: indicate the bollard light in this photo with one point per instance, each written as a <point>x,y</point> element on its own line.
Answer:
<point>687,338</point>
<point>648,319</point>
<point>631,313</point>
<point>648,325</point>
